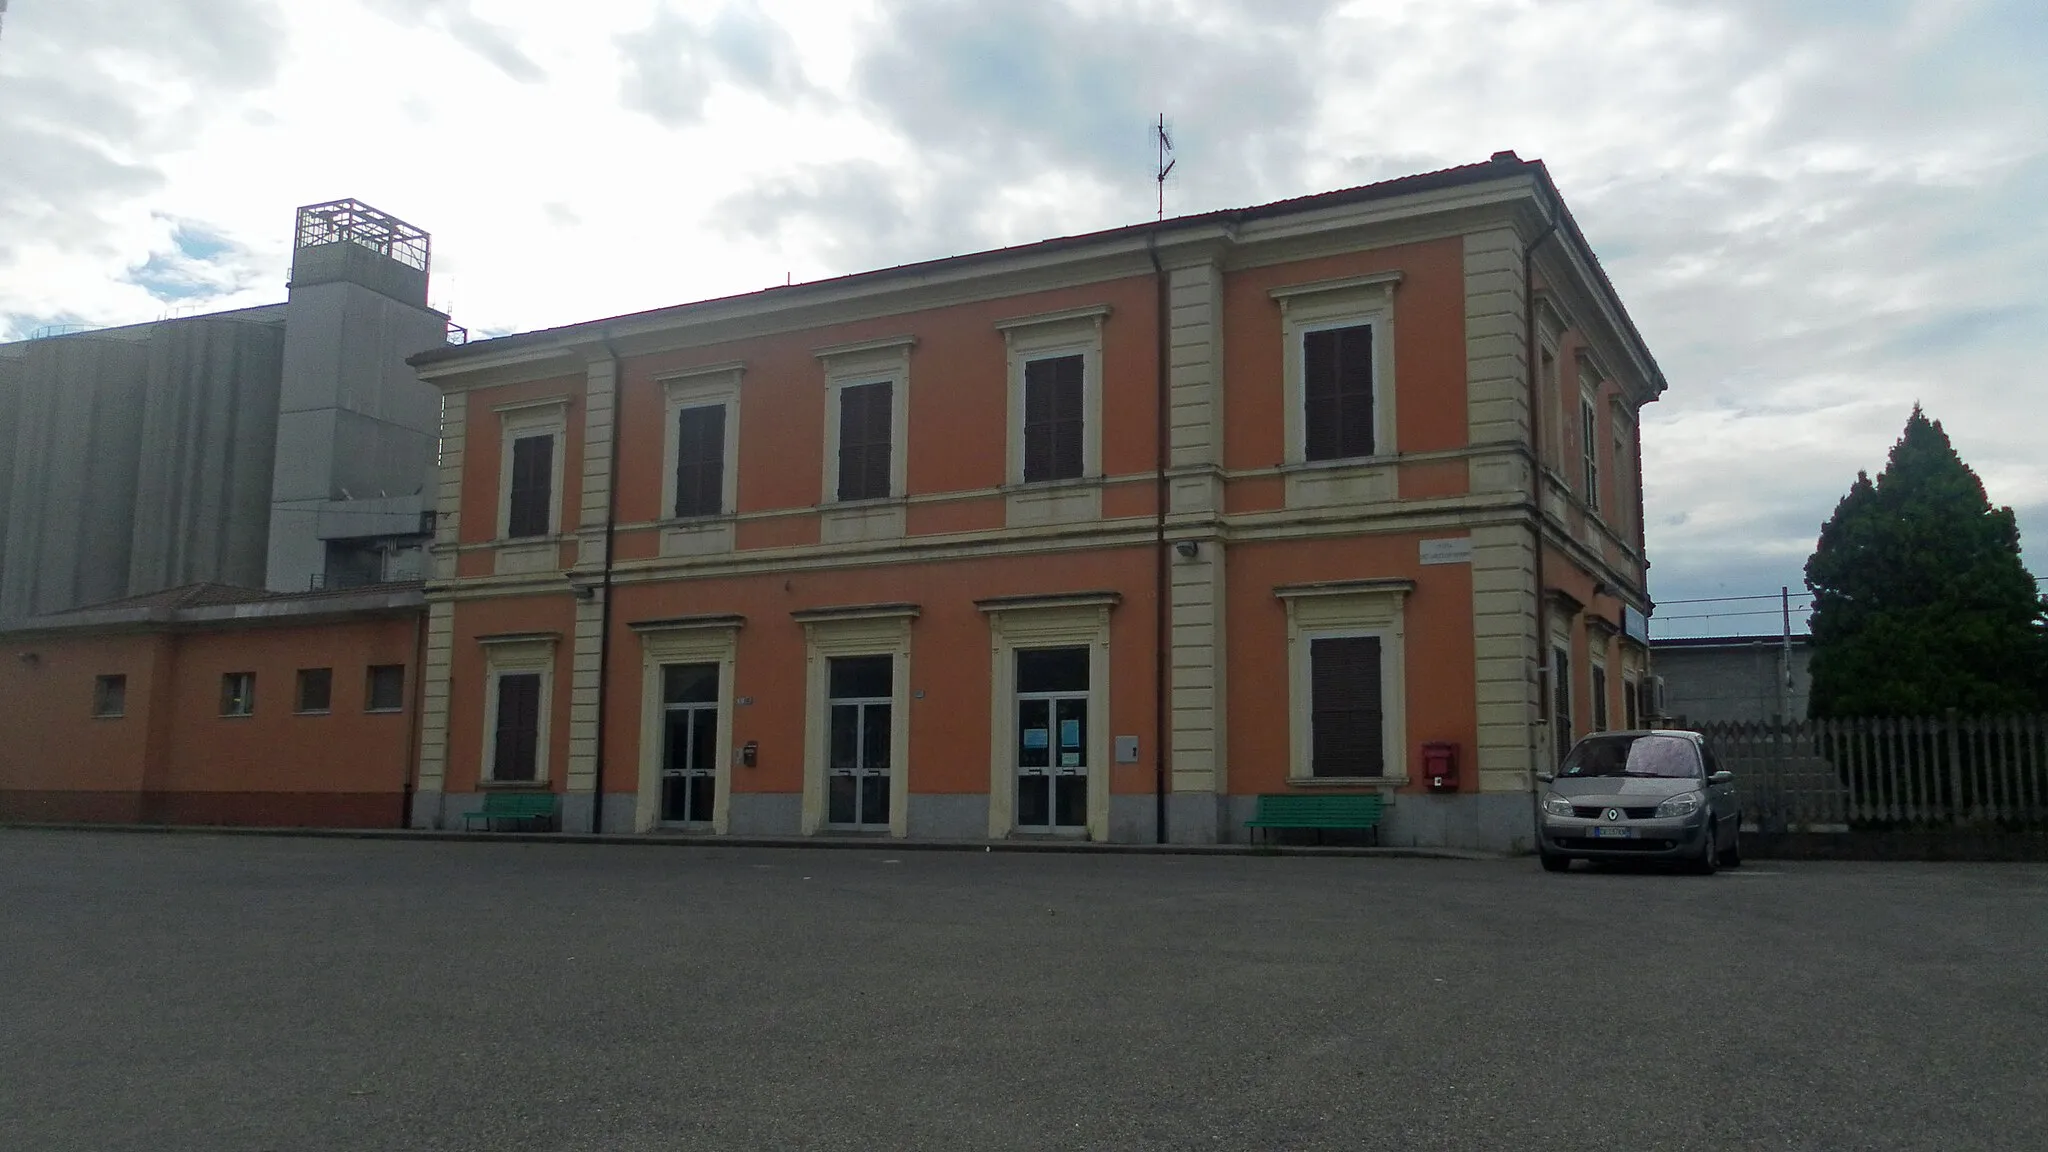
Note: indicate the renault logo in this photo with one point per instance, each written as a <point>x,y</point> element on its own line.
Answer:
<point>1614,813</point>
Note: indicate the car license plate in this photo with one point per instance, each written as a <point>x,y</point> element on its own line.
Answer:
<point>1613,833</point>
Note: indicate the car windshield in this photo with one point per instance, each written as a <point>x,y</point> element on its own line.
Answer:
<point>1665,757</point>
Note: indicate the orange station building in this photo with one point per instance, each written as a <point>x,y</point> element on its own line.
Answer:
<point>1098,537</point>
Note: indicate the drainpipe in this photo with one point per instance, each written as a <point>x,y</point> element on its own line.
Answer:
<point>1536,470</point>
<point>419,697</point>
<point>604,635</point>
<point>1161,578</point>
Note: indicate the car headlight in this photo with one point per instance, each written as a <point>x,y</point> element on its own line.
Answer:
<point>1683,804</point>
<point>1557,805</point>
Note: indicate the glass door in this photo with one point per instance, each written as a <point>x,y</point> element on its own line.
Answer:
<point>1052,740</point>
<point>689,746</point>
<point>860,696</point>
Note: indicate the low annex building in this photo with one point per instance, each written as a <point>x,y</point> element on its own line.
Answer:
<point>215,704</point>
<point>1098,537</point>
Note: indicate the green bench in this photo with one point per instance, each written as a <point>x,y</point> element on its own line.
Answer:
<point>1294,810</point>
<point>529,807</point>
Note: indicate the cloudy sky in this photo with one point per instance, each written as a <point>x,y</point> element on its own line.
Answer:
<point>1818,211</point>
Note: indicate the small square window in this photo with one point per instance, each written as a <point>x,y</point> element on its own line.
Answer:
<point>386,690</point>
<point>238,694</point>
<point>110,696</point>
<point>316,689</point>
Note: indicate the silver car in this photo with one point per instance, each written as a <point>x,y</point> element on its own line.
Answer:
<point>1639,796</point>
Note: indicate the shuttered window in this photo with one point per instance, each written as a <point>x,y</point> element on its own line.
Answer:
<point>1346,716</point>
<point>1054,419</point>
<point>533,478</point>
<point>1336,365</point>
<point>517,747</point>
<point>1589,448</point>
<point>700,460</point>
<point>1561,701</point>
<point>865,418</point>
<point>1599,698</point>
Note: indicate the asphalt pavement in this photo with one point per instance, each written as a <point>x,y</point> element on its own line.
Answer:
<point>170,992</point>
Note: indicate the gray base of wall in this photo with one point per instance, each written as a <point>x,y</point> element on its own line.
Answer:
<point>1195,818</point>
<point>1485,822</point>
<point>1131,819</point>
<point>426,810</point>
<point>1479,822</point>
<point>949,817</point>
<point>619,811</point>
<point>768,814</point>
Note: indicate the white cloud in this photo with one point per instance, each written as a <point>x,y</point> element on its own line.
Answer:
<point>1818,213</point>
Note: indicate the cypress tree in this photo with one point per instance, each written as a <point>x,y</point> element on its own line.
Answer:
<point>1920,601</point>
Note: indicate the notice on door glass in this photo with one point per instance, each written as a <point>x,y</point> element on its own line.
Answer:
<point>1035,737</point>
<point>1070,759</point>
<point>1070,733</point>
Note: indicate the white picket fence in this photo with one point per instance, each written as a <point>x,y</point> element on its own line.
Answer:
<point>1922,772</point>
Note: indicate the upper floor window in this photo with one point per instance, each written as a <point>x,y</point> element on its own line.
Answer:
<point>1553,413</point>
<point>700,460</point>
<point>1055,394</point>
<point>1338,368</point>
<point>1589,447</point>
<point>866,419</point>
<point>1055,418</point>
<point>702,444</point>
<point>533,489</point>
<point>1337,392</point>
<point>867,428</point>
<point>530,471</point>
<point>1624,469</point>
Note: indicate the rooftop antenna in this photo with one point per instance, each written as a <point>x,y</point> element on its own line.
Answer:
<point>1165,144</point>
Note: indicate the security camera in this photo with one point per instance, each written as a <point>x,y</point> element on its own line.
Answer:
<point>1187,548</point>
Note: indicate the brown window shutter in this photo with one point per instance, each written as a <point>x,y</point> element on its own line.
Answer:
<point>533,474</point>
<point>1055,419</point>
<point>700,461</point>
<point>1346,717</point>
<point>1337,388</point>
<point>518,737</point>
<point>865,419</point>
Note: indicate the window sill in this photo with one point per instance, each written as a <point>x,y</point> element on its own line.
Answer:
<point>314,712</point>
<point>1347,781</point>
<point>514,785</point>
<point>1034,487</point>
<point>1376,460</point>
<point>383,711</point>
<point>237,715</point>
<point>110,715</point>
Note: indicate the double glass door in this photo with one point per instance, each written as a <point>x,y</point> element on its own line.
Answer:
<point>1052,740</point>
<point>689,746</point>
<point>859,702</point>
